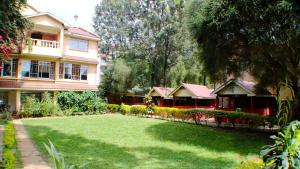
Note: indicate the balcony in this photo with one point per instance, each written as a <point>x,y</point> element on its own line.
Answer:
<point>42,47</point>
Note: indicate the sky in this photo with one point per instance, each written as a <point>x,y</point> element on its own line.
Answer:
<point>66,9</point>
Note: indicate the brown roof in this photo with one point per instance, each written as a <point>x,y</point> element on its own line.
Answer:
<point>81,31</point>
<point>198,90</point>
<point>163,91</point>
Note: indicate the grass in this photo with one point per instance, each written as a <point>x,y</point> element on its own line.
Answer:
<point>117,141</point>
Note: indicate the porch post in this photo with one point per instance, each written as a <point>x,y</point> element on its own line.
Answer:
<point>61,41</point>
<point>18,101</point>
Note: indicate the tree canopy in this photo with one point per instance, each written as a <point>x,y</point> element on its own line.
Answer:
<point>258,36</point>
<point>152,38</point>
<point>12,24</point>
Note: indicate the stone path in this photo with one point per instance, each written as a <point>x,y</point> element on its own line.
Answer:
<point>30,157</point>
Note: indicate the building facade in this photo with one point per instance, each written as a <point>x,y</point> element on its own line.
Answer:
<point>54,57</point>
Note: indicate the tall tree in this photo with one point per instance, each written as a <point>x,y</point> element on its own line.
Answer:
<point>149,35</point>
<point>259,36</point>
<point>12,25</point>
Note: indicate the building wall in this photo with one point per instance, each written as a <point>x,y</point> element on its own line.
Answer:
<point>91,53</point>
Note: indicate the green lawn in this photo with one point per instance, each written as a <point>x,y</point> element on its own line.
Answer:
<point>117,141</point>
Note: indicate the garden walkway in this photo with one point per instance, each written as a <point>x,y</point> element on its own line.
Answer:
<point>30,157</point>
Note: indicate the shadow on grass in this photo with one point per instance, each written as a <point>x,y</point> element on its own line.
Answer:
<point>214,139</point>
<point>97,154</point>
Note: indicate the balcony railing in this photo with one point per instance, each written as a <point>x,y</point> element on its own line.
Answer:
<point>45,43</point>
<point>43,47</point>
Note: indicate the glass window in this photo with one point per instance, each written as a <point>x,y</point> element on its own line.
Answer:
<point>9,68</point>
<point>34,68</point>
<point>83,72</point>
<point>75,72</point>
<point>61,70</point>
<point>37,69</point>
<point>68,70</point>
<point>26,68</point>
<point>79,44</point>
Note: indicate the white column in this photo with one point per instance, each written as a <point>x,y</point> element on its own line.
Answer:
<point>61,41</point>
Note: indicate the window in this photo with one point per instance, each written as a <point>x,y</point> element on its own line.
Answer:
<point>73,71</point>
<point>9,68</point>
<point>83,72</point>
<point>37,69</point>
<point>68,71</point>
<point>79,44</point>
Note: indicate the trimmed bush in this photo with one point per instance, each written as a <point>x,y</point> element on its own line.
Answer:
<point>138,110</point>
<point>113,108</point>
<point>124,109</point>
<point>8,146</point>
<point>230,116</point>
<point>8,159</point>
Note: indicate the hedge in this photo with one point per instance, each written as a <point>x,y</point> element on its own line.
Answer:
<point>231,116</point>
<point>8,147</point>
<point>138,110</point>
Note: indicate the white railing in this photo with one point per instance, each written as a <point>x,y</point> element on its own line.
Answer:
<point>45,43</point>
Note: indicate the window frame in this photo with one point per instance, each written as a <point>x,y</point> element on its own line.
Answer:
<point>78,41</point>
<point>75,74</point>
<point>35,69</point>
<point>13,62</point>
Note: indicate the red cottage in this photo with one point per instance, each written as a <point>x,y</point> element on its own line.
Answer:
<point>193,96</point>
<point>242,96</point>
<point>160,96</point>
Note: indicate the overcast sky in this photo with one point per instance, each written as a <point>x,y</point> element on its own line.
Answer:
<point>66,9</point>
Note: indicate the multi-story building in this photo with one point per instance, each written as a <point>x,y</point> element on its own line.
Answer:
<point>54,57</point>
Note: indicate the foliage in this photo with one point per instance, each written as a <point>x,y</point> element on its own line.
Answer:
<point>138,110</point>
<point>113,108</point>
<point>31,107</point>
<point>12,25</point>
<point>6,115</point>
<point>124,109</point>
<point>117,79</point>
<point>58,160</point>
<point>8,146</point>
<point>151,38</point>
<point>260,37</point>
<point>67,100</point>
<point>285,152</point>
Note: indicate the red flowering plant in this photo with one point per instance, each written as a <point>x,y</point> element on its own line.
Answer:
<point>5,51</point>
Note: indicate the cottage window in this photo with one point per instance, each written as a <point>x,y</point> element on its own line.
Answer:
<point>79,44</point>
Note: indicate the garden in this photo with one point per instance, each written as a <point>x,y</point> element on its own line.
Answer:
<point>84,130</point>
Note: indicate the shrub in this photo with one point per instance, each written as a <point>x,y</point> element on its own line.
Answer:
<point>138,110</point>
<point>8,159</point>
<point>285,152</point>
<point>67,100</point>
<point>113,108</point>
<point>6,115</point>
<point>124,109</point>
<point>100,107</point>
<point>46,105</point>
<point>8,146</point>
<point>31,107</point>
<point>232,116</point>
